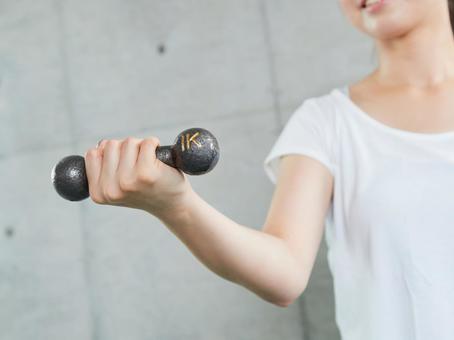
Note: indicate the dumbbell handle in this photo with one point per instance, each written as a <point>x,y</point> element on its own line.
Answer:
<point>164,154</point>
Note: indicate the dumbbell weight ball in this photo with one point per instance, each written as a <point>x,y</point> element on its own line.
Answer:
<point>195,152</point>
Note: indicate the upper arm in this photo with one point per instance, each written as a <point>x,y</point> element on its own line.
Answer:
<point>299,206</point>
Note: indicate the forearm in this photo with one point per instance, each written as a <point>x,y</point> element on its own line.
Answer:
<point>254,259</point>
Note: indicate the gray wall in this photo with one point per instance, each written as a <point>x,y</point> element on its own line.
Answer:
<point>73,72</point>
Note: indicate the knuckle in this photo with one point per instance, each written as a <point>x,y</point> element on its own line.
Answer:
<point>113,195</point>
<point>146,177</point>
<point>96,197</point>
<point>151,141</point>
<point>126,185</point>
<point>154,140</point>
<point>130,140</point>
<point>111,143</point>
<point>91,153</point>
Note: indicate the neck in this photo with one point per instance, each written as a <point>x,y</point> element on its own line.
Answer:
<point>421,59</point>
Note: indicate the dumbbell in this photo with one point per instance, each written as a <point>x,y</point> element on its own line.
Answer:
<point>195,152</point>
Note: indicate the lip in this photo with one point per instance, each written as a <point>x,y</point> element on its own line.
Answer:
<point>362,3</point>
<point>374,8</point>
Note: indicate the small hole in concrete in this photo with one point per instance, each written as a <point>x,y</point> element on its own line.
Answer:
<point>161,49</point>
<point>9,232</point>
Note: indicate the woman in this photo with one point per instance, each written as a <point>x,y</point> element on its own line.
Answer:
<point>374,160</point>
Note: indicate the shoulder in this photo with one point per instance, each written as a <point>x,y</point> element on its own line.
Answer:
<point>319,109</point>
<point>325,102</point>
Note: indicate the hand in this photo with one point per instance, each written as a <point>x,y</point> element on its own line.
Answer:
<point>127,173</point>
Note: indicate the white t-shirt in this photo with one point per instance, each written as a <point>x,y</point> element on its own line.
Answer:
<point>390,225</point>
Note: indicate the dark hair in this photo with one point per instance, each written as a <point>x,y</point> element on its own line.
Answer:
<point>451,12</point>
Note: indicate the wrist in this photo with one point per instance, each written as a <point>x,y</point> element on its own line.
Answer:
<point>179,209</point>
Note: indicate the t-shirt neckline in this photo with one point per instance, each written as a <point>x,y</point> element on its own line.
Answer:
<point>343,93</point>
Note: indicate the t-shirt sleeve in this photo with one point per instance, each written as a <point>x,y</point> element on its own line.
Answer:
<point>310,132</point>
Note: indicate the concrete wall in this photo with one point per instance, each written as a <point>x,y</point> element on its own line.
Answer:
<point>73,72</point>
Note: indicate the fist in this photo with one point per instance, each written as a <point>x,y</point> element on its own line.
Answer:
<point>127,173</point>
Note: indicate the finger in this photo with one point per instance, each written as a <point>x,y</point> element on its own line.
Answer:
<point>100,146</point>
<point>147,153</point>
<point>93,164</point>
<point>110,161</point>
<point>129,153</point>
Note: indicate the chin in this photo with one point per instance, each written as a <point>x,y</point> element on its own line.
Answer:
<point>387,25</point>
<point>387,31</point>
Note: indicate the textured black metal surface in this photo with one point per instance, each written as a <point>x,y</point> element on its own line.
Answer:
<point>196,151</point>
<point>69,178</point>
<point>166,155</point>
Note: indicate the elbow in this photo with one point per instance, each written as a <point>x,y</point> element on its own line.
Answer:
<point>284,304</point>
<point>287,301</point>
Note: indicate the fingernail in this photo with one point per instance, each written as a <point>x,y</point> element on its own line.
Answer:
<point>99,143</point>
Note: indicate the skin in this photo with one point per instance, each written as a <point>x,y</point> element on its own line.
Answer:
<point>411,89</point>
